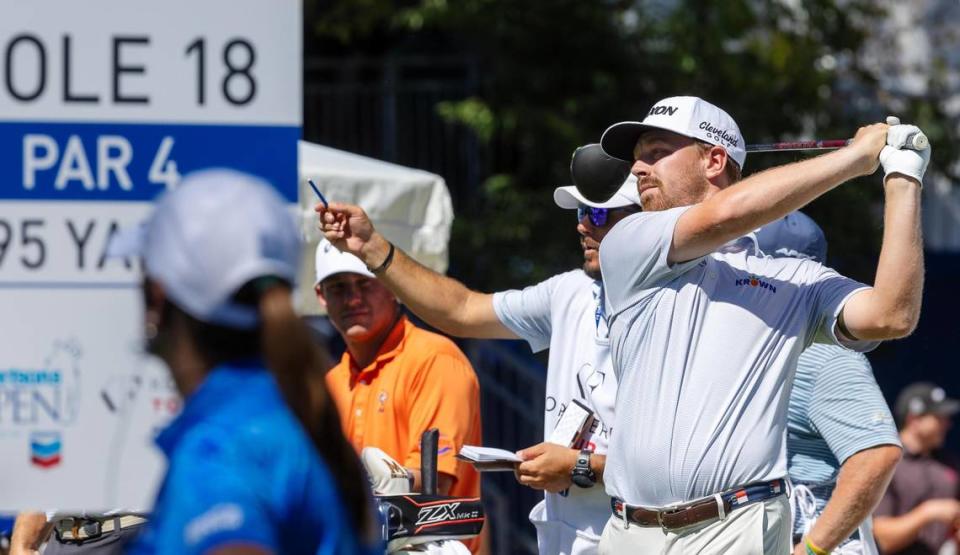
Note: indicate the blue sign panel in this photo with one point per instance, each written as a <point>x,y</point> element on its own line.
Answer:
<point>135,162</point>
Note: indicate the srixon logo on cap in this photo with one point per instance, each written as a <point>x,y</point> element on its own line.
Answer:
<point>661,110</point>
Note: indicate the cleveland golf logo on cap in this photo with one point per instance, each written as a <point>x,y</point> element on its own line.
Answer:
<point>729,138</point>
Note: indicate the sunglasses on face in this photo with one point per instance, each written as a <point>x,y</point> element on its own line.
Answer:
<point>598,216</point>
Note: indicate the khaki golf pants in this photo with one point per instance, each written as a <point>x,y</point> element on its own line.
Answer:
<point>761,528</point>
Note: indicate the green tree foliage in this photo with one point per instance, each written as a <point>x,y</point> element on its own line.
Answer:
<point>555,73</point>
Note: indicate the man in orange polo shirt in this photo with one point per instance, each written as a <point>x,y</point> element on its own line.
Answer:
<point>396,380</point>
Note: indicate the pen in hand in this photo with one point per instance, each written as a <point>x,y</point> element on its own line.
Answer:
<point>319,194</point>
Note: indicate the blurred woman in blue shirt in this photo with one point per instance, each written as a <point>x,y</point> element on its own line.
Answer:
<point>257,461</point>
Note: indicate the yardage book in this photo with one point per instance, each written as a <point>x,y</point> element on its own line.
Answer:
<point>489,459</point>
<point>570,429</point>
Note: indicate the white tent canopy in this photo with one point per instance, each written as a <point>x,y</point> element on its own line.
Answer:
<point>410,207</point>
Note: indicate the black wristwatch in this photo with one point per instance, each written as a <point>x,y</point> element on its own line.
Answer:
<point>583,476</point>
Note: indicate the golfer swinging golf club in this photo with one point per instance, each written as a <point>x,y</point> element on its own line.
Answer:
<point>705,333</point>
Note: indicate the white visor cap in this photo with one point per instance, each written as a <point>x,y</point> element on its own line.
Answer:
<point>569,197</point>
<point>689,116</point>
<point>330,261</point>
<point>213,234</point>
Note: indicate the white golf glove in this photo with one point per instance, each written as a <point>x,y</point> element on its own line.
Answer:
<point>899,157</point>
<point>386,475</point>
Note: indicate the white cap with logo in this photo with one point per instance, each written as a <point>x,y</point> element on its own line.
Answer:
<point>331,261</point>
<point>689,116</point>
<point>570,197</point>
<point>212,235</point>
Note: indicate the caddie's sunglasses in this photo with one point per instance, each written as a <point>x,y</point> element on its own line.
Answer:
<point>598,216</point>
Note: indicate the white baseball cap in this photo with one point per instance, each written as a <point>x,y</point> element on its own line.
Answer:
<point>331,261</point>
<point>626,195</point>
<point>213,234</point>
<point>689,116</point>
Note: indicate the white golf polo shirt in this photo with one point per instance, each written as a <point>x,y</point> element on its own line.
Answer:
<point>705,352</point>
<point>562,313</point>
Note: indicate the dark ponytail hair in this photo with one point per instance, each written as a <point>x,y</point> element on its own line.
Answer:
<point>298,365</point>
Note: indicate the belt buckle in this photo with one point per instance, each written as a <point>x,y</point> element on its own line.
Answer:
<point>667,512</point>
<point>93,529</point>
<point>661,513</point>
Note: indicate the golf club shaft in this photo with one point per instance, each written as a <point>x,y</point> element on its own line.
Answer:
<point>917,141</point>
<point>800,145</point>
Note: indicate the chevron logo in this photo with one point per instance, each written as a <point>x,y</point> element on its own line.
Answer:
<point>45,449</point>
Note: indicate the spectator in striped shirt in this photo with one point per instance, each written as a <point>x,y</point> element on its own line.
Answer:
<point>842,445</point>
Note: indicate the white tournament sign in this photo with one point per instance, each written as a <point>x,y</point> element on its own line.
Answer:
<point>104,104</point>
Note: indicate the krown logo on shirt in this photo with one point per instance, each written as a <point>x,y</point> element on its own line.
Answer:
<point>754,281</point>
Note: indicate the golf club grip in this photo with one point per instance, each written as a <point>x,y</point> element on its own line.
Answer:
<point>919,141</point>
<point>429,442</point>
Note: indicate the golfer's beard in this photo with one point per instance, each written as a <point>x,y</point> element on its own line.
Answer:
<point>655,200</point>
<point>660,199</point>
<point>591,268</point>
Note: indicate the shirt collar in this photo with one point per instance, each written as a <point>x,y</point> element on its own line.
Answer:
<point>597,289</point>
<point>602,335</point>
<point>389,349</point>
<point>221,386</point>
<point>746,242</point>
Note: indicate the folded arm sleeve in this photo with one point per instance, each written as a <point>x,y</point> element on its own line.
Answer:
<point>847,408</point>
<point>633,256</point>
<point>527,312</point>
<point>829,292</point>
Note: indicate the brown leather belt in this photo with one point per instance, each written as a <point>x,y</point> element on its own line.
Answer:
<point>701,510</point>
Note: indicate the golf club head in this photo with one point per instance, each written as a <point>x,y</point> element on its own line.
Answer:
<point>596,174</point>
